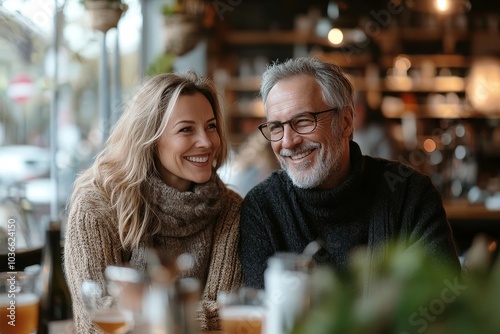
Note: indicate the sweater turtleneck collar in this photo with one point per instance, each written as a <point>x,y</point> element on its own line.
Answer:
<point>183,213</point>
<point>321,197</point>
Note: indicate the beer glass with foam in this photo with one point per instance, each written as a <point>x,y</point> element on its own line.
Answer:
<point>18,303</point>
<point>242,311</point>
<point>103,310</point>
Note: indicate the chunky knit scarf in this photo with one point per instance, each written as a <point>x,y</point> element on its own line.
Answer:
<point>187,221</point>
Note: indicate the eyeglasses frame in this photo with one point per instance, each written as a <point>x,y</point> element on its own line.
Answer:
<point>313,114</point>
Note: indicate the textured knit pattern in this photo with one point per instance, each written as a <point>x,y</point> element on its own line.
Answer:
<point>203,222</point>
<point>380,201</point>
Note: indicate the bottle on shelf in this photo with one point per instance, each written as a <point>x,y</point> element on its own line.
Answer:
<point>56,311</point>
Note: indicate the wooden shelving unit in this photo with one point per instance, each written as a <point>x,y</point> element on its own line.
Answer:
<point>388,40</point>
<point>451,51</point>
<point>273,37</point>
<point>439,60</point>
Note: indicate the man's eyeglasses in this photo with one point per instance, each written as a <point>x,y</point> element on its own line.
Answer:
<point>302,123</point>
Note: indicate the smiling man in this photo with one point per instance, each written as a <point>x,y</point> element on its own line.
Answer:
<point>327,190</point>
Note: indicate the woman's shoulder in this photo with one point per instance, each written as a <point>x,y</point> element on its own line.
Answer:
<point>227,193</point>
<point>91,203</point>
<point>89,197</point>
<point>233,197</point>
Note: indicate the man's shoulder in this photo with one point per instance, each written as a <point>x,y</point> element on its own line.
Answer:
<point>383,166</point>
<point>395,174</point>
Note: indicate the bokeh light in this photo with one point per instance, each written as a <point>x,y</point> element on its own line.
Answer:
<point>335,36</point>
<point>429,145</point>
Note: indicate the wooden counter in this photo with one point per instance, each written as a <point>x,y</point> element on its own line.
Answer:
<point>467,220</point>
<point>463,210</point>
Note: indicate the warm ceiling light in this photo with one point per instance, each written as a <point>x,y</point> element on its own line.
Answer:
<point>439,6</point>
<point>442,5</point>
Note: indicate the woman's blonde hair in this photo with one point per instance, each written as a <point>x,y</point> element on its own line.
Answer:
<point>121,170</point>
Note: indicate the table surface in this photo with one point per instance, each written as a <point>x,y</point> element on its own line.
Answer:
<point>136,330</point>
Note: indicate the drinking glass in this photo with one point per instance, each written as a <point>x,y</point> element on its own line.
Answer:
<point>18,303</point>
<point>127,286</point>
<point>242,311</point>
<point>103,310</point>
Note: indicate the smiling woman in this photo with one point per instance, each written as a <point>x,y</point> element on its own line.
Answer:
<point>154,185</point>
<point>187,147</point>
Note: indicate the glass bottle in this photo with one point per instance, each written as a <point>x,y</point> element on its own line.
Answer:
<point>56,311</point>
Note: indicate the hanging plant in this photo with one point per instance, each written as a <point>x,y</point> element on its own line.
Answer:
<point>183,25</point>
<point>105,14</point>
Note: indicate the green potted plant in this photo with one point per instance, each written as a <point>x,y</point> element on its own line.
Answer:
<point>163,63</point>
<point>415,293</point>
<point>105,14</point>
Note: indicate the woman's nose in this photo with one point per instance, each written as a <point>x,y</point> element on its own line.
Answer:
<point>203,140</point>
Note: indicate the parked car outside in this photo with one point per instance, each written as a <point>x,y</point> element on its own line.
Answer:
<point>21,163</point>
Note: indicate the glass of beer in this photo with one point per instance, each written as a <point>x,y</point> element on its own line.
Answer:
<point>242,311</point>
<point>18,303</point>
<point>103,310</point>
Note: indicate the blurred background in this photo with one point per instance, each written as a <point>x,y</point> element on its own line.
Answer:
<point>426,73</point>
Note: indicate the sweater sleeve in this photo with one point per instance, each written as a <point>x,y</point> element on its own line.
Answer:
<point>90,245</point>
<point>225,268</point>
<point>426,221</point>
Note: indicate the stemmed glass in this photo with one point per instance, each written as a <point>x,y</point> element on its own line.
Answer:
<point>103,310</point>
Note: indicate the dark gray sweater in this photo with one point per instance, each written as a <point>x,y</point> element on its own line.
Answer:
<point>380,201</point>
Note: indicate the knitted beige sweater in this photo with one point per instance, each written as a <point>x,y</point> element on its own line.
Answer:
<point>203,222</point>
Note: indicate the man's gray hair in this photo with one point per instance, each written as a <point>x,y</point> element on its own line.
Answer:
<point>337,89</point>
